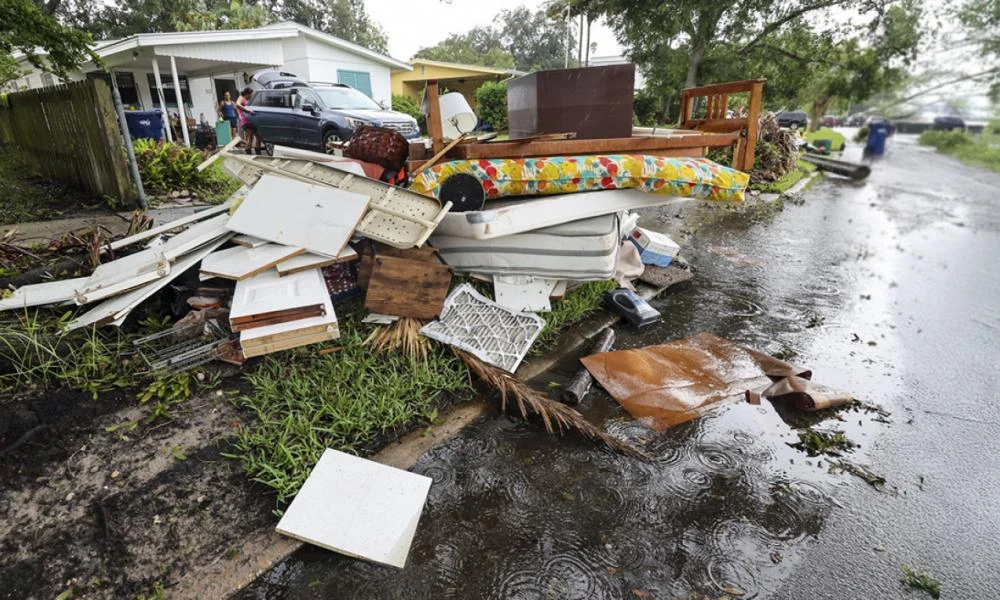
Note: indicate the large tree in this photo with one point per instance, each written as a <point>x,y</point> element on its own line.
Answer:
<point>521,38</point>
<point>28,28</point>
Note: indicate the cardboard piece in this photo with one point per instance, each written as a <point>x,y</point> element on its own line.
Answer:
<point>318,218</point>
<point>654,248</point>
<point>358,507</point>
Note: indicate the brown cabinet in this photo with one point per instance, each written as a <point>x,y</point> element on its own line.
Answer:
<point>592,102</point>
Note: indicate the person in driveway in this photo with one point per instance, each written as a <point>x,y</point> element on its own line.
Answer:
<point>249,130</point>
<point>227,111</point>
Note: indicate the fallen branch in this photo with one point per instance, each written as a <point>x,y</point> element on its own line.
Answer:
<point>556,416</point>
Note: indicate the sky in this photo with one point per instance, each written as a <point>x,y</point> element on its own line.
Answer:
<point>427,22</point>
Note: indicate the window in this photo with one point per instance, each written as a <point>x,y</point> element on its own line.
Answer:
<point>168,90</point>
<point>126,85</point>
<point>271,98</point>
<point>302,96</point>
<point>47,80</point>
<point>359,80</point>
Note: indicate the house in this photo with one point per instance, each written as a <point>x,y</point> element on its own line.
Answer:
<point>452,77</point>
<point>149,67</point>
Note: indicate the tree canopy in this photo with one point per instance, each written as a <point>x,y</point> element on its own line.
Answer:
<point>26,27</point>
<point>520,38</point>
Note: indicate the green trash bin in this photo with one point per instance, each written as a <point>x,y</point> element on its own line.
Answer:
<point>223,133</point>
<point>826,145</point>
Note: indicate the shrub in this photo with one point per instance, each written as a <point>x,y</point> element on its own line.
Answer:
<point>944,141</point>
<point>646,108</point>
<point>492,100</point>
<point>407,105</point>
<point>165,167</point>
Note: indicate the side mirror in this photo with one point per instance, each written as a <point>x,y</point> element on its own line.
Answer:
<point>309,107</point>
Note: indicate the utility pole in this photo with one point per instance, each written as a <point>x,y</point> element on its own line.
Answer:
<point>569,38</point>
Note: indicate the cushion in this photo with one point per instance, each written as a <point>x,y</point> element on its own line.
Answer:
<point>675,176</point>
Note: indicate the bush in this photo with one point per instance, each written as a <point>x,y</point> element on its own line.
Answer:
<point>407,105</point>
<point>645,107</point>
<point>944,141</point>
<point>492,100</point>
<point>165,167</point>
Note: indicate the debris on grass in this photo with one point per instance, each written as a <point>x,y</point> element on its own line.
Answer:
<point>920,580</point>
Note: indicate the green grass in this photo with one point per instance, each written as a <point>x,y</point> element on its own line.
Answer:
<point>580,302</point>
<point>353,401</point>
<point>825,133</point>
<point>920,580</point>
<point>802,169</point>
<point>981,151</point>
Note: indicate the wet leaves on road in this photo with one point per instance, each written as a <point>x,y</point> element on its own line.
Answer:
<point>920,580</point>
<point>816,442</point>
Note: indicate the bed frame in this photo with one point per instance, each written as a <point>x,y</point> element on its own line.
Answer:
<point>693,137</point>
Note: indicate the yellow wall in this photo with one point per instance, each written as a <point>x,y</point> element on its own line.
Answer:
<point>411,83</point>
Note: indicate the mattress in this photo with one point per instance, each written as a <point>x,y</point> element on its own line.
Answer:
<point>581,250</point>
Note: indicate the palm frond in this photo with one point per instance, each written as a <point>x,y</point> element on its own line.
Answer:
<point>556,416</point>
<point>402,336</point>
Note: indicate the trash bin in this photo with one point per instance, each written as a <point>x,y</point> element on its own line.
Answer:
<point>825,145</point>
<point>878,131</point>
<point>223,133</point>
<point>145,123</point>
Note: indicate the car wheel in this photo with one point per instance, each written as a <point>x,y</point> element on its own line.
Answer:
<point>269,148</point>
<point>331,142</point>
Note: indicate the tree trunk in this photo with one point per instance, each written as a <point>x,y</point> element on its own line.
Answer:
<point>694,61</point>
<point>818,110</point>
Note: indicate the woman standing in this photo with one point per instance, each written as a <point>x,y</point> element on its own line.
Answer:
<point>249,130</point>
<point>227,111</point>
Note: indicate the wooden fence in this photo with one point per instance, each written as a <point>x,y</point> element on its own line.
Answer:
<point>71,133</point>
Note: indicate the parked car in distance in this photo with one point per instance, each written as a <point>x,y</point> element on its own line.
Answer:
<point>831,121</point>
<point>320,117</point>
<point>274,80</point>
<point>857,120</point>
<point>947,123</point>
<point>793,119</point>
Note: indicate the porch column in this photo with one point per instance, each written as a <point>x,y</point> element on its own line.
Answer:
<point>163,102</point>
<point>180,100</point>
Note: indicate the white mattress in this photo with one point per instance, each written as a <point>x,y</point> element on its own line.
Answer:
<point>580,250</point>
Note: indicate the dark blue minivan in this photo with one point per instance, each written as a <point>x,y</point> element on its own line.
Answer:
<point>317,117</point>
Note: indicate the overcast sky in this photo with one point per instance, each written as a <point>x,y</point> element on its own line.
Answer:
<point>414,24</point>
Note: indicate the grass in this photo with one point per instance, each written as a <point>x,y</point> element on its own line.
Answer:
<point>26,196</point>
<point>577,304</point>
<point>351,401</point>
<point>802,169</point>
<point>921,580</point>
<point>825,133</point>
<point>981,151</point>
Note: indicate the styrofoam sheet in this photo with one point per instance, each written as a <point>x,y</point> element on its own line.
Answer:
<point>41,294</point>
<point>267,292</point>
<point>240,262</point>
<point>316,217</point>
<point>358,507</point>
<point>307,261</point>
<point>117,309</point>
<point>519,216</point>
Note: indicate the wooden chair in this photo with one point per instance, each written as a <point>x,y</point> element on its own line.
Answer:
<point>717,121</point>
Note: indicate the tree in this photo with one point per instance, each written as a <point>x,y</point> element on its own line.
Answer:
<point>235,15</point>
<point>519,38</point>
<point>47,45</point>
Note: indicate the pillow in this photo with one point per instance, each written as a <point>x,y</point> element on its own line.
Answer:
<point>675,176</point>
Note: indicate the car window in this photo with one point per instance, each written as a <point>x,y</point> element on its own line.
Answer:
<point>271,99</point>
<point>304,96</point>
<point>346,98</point>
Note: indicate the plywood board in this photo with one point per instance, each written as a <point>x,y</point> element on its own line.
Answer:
<point>520,216</point>
<point>304,262</point>
<point>271,333</point>
<point>267,294</point>
<point>41,294</point>
<point>407,288</point>
<point>315,217</point>
<point>287,343</point>
<point>523,292</point>
<point>358,507</point>
<point>116,310</point>
<point>241,262</point>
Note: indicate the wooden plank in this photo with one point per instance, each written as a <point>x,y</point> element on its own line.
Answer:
<point>718,125</point>
<point>434,117</point>
<point>274,318</point>
<point>426,254</point>
<point>266,295</point>
<point>753,121</point>
<point>722,88</point>
<point>304,262</point>
<point>407,288</point>
<point>291,342</point>
<point>239,262</point>
<point>640,145</point>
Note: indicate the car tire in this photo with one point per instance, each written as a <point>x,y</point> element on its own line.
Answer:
<point>330,138</point>
<point>269,148</point>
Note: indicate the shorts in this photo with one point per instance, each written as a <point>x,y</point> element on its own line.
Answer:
<point>248,126</point>
<point>233,122</point>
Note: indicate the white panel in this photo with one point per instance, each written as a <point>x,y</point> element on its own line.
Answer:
<point>318,218</point>
<point>263,52</point>
<point>50,292</point>
<point>241,262</point>
<point>523,292</point>
<point>358,507</point>
<point>122,275</point>
<point>308,326</point>
<point>304,262</point>
<point>267,293</point>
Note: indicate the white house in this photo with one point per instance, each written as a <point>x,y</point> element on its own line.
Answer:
<point>148,67</point>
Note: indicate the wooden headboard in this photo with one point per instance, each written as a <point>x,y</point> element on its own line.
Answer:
<point>717,121</point>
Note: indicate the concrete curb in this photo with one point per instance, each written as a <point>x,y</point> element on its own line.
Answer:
<point>265,548</point>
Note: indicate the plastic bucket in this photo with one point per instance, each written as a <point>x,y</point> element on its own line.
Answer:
<point>456,116</point>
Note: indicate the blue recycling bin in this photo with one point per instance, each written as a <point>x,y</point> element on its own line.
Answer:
<point>878,132</point>
<point>145,123</point>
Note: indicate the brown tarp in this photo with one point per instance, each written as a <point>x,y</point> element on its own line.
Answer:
<point>676,382</point>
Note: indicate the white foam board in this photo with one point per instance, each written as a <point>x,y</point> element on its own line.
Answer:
<point>358,507</point>
<point>316,217</point>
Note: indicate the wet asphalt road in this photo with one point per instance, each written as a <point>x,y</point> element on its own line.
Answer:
<point>889,290</point>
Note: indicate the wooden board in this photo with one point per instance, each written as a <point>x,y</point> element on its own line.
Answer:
<point>407,288</point>
<point>688,145</point>
<point>249,241</point>
<point>291,342</point>
<point>425,254</point>
<point>267,296</point>
<point>274,318</point>
<point>240,262</point>
<point>195,237</point>
<point>318,218</point>
<point>304,262</point>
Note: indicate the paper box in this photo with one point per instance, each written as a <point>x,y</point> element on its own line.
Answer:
<point>654,248</point>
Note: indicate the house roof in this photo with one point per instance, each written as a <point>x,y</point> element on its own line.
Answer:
<point>340,43</point>
<point>464,67</point>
